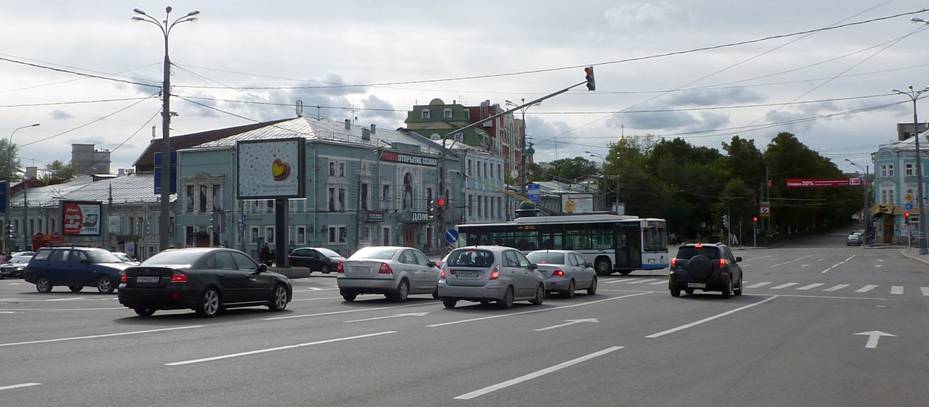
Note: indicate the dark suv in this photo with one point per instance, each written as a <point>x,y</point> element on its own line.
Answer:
<point>74,267</point>
<point>705,267</point>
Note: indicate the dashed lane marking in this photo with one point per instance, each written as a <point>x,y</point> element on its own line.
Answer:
<point>77,338</point>
<point>708,319</point>
<point>866,288</point>
<point>19,386</point>
<point>925,291</point>
<point>761,284</point>
<point>778,287</point>
<point>659,282</point>
<point>809,286</point>
<point>836,287</point>
<point>896,290</point>
<point>641,281</point>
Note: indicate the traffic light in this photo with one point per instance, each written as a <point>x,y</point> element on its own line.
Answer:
<point>440,203</point>
<point>906,218</point>
<point>589,72</point>
<point>10,232</point>
<point>432,207</point>
<point>726,221</point>
<point>754,219</point>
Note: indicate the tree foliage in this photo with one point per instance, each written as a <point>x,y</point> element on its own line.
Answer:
<point>57,172</point>
<point>564,170</point>
<point>9,162</point>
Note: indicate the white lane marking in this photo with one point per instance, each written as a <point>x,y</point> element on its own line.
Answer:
<point>820,259</point>
<point>65,309</point>
<point>836,287</point>
<point>321,314</point>
<point>620,280</point>
<point>826,297</point>
<point>315,289</point>
<point>659,282</point>
<point>708,319</point>
<point>809,286</point>
<point>838,264</point>
<point>77,338</point>
<point>880,260</point>
<point>537,373</point>
<point>316,299</point>
<point>874,337</point>
<point>803,266</point>
<point>7,312</point>
<point>259,351</point>
<point>409,314</point>
<point>791,261</point>
<point>778,287</point>
<point>66,299</point>
<point>580,304</point>
<point>568,322</point>
<point>19,386</point>
<point>896,290</point>
<point>878,266</point>
<point>761,284</point>
<point>925,291</point>
<point>641,281</point>
<point>866,288</point>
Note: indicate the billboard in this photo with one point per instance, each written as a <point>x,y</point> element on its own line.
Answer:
<point>79,218</point>
<point>173,172</point>
<point>274,168</point>
<point>577,203</point>
<point>4,190</point>
<point>794,183</point>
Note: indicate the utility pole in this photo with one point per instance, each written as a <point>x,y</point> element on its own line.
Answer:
<point>914,96</point>
<point>9,191</point>
<point>164,219</point>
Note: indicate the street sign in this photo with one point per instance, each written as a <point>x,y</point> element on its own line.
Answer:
<point>793,183</point>
<point>451,236</point>
<point>765,209</point>
<point>157,177</point>
<point>908,206</point>
<point>532,190</point>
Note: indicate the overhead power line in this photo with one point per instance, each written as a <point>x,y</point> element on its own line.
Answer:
<point>73,102</point>
<point>99,119</point>
<point>84,74</point>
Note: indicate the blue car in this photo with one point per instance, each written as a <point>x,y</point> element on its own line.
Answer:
<point>74,267</point>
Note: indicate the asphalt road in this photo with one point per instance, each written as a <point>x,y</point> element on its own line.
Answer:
<point>790,340</point>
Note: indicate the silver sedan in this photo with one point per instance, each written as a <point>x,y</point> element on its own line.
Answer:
<point>395,272</point>
<point>565,271</point>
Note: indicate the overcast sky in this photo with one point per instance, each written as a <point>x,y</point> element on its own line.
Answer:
<point>376,43</point>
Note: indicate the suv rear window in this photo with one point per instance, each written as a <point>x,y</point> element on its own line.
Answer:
<point>42,254</point>
<point>471,258</point>
<point>546,258</point>
<point>686,252</point>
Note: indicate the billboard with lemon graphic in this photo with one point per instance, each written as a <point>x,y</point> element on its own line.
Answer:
<point>272,168</point>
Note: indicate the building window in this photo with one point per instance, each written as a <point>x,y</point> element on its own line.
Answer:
<point>908,170</point>
<point>331,199</point>
<point>469,168</point>
<point>253,238</point>
<point>385,196</point>
<point>485,170</point>
<point>189,207</point>
<point>331,168</point>
<point>479,169</point>
<point>217,197</point>
<point>338,234</point>
<point>341,169</point>
<point>491,206</point>
<point>425,114</point>
<point>470,213</point>
<point>301,235</point>
<point>341,200</point>
<point>499,171</point>
<point>479,206</point>
<point>385,236</point>
<point>364,196</point>
<point>500,207</point>
<point>447,114</point>
<point>269,234</point>
<point>203,202</point>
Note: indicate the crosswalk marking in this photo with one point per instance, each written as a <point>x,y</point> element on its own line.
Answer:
<point>925,291</point>
<point>896,290</point>
<point>778,287</point>
<point>810,286</point>
<point>866,288</point>
<point>620,280</point>
<point>659,282</point>
<point>836,287</point>
<point>761,284</point>
<point>641,281</point>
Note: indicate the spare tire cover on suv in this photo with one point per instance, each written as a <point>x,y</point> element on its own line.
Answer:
<point>699,267</point>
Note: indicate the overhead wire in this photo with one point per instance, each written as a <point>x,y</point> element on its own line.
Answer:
<point>84,74</point>
<point>99,119</point>
<point>72,102</point>
<point>131,136</point>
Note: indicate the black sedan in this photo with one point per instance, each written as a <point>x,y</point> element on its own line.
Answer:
<point>315,259</point>
<point>206,280</point>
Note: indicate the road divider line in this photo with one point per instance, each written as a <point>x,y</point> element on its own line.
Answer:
<point>809,286</point>
<point>791,261</point>
<point>279,348</point>
<point>778,287</point>
<point>838,264</point>
<point>761,284</point>
<point>620,280</point>
<point>641,281</point>
<point>537,373</point>
<point>77,338</point>
<point>350,311</point>
<point>866,288</point>
<point>20,386</point>
<point>708,319</point>
<point>896,290</point>
<point>316,299</point>
<point>580,304</point>
<point>836,287</point>
<point>659,282</point>
<point>408,314</point>
<point>925,291</point>
<point>64,309</point>
<point>825,297</point>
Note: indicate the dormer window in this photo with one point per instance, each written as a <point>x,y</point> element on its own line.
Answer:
<point>447,114</point>
<point>426,114</point>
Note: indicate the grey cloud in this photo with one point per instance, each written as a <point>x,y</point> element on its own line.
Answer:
<point>711,97</point>
<point>650,121</point>
<point>632,16</point>
<point>709,121</point>
<point>60,115</point>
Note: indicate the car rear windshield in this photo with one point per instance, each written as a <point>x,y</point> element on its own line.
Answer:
<point>471,258</point>
<point>100,256</point>
<point>375,253</point>
<point>174,257</point>
<point>546,258</point>
<point>686,252</point>
<point>328,253</point>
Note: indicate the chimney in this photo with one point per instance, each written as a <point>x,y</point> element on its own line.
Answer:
<point>120,172</point>
<point>373,128</point>
<point>348,124</point>
<point>365,134</point>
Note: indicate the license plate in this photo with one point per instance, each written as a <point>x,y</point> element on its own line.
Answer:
<point>696,285</point>
<point>147,279</point>
<point>467,274</point>
<point>359,269</point>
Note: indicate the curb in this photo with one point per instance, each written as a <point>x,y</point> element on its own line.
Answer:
<point>917,258</point>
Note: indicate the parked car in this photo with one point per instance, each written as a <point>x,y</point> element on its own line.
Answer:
<point>204,279</point>
<point>15,267</point>
<point>315,259</point>
<point>395,272</point>
<point>565,271</point>
<point>854,239</point>
<point>74,267</point>
<point>490,273</point>
<point>29,253</point>
<point>126,259</point>
<point>705,267</point>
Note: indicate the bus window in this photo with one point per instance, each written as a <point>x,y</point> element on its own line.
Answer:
<point>601,239</point>
<point>577,240</point>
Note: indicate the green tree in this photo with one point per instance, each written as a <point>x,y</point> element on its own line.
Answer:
<point>58,172</point>
<point>9,162</point>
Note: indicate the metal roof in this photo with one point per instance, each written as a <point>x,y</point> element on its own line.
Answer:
<point>133,188</point>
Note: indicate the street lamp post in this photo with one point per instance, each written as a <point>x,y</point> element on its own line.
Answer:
<point>865,211</point>
<point>914,96</point>
<point>164,220</point>
<point>9,194</point>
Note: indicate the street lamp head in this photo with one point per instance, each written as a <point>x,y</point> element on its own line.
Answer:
<point>192,19</point>
<point>34,125</point>
<point>918,20</point>
<point>137,18</point>
<point>193,13</point>
<point>168,9</point>
<point>137,11</point>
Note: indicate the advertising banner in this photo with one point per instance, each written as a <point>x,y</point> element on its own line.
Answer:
<point>577,203</point>
<point>80,218</point>
<point>4,190</point>
<point>795,183</point>
<point>268,169</point>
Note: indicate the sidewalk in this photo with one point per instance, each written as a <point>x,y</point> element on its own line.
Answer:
<point>913,253</point>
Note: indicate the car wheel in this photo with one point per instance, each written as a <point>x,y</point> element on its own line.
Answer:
<point>325,269</point>
<point>42,285</point>
<point>727,287</point>
<point>570,292</point>
<point>449,303</point>
<point>75,288</point>
<point>403,290</point>
<point>144,312</point>
<point>675,292</point>
<point>348,295</point>
<point>279,298</point>
<point>105,285</point>
<point>539,295</point>
<point>738,291</point>
<point>507,301</point>
<point>210,303</point>
<point>603,267</point>
<point>435,294</point>
<point>592,290</point>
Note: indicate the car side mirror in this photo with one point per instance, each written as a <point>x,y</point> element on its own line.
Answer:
<point>262,268</point>
<point>590,264</point>
<point>738,259</point>
<point>533,266</point>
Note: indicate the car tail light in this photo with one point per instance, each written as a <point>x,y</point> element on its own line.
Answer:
<point>723,263</point>
<point>674,262</point>
<point>340,268</point>
<point>178,277</point>
<point>558,273</point>
<point>495,272</point>
<point>698,245</point>
<point>123,278</point>
<point>385,269</point>
<point>442,274</point>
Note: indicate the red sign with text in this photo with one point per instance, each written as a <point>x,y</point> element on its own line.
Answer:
<point>793,183</point>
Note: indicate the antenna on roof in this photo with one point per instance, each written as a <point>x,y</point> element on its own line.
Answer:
<point>299,108</point>
<point>153,133</point>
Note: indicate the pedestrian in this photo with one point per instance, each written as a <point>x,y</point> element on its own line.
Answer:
<point>264,254</point>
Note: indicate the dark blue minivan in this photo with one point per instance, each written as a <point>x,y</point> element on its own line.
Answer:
<point>74,267</point>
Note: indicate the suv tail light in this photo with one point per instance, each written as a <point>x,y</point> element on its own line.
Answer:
<point>442,274</point>
<point>495,272</point>
<point>558,273</point>
<point>123,278</point>
<point>723,263</point>
<point>674,262</point>
<point>178,277</point>
<point>385,269</point>
<point>340,268</point>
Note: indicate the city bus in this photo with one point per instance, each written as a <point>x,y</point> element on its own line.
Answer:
<point>612,243</point>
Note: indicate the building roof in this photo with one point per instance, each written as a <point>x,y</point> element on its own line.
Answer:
<point>146,160</point>
<point>327,130</point>
<point>133,188</point>
<point>909,144</point>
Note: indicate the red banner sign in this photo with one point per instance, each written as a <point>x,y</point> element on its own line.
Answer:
<point>794,183</point>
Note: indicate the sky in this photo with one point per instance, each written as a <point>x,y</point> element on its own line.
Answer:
<point>833,88</point>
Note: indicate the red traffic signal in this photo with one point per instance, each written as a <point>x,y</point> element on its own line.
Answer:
<point>906,217</point>
<point>754,219</point>
<point>440,202</point>
<point>589,75</point>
